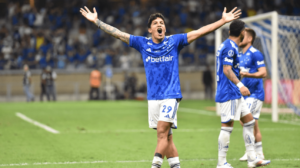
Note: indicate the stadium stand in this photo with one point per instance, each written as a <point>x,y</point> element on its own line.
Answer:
<point>52,33</point>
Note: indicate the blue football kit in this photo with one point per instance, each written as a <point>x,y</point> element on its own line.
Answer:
<point>227,55</point>
<point>161,64</point>
<point>250,62</point>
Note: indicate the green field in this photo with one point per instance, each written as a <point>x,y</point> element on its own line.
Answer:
<point>115,134</point>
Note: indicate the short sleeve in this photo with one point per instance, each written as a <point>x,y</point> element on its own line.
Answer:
<point>227,55</point>
<point>136,42</point>
<point>259,59</point>
<point>180,40</point>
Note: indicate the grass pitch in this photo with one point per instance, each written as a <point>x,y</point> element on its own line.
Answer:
<point>115,134</point>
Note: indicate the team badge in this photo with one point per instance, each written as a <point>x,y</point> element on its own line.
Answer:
<point>230,53</point>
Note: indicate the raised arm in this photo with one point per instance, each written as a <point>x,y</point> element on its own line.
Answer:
<point>227,70</point>
<point>93,17</point>
<point>261,73</point>
<point>226,17</point>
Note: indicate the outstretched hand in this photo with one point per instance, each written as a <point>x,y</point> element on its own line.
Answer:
<point>89,15</point>
<point>232,15</point>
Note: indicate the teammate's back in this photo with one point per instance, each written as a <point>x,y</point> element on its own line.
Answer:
<point>227,55</point>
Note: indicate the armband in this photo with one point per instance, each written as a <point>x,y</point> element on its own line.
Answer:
<point>239,85</point>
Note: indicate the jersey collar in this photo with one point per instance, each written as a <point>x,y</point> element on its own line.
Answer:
<point>247,50</point>
<point>233,44</point>
<point>160,42</point>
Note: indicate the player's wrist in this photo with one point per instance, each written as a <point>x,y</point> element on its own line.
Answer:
<point>239,85</point>
<point>97,22</point>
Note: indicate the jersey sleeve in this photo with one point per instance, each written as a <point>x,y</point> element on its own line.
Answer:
<point>181,40</point>
<point>136,42</point>
<point>227,55</point>
<point>259,60</point>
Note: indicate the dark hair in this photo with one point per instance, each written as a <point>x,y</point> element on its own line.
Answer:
<point>236,27</point>
<point>252,33</point>
<point>155,16</point>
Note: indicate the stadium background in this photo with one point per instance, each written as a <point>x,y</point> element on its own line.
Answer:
<point>52,33</point>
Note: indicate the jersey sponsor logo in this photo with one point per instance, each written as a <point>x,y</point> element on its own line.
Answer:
<point>243,69</point>
<point>149,50</point>
<point>260,62</point>
<point>159,59</point>
<point>230,53</point>
<point>167,116</point>
<point>149,43</point>
<point>165,43</point>
<point>248,54</point>
<point>228,60</point>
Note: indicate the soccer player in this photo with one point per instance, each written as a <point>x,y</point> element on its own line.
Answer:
<point>229,96</point>
<point>160,56</point>
<point>253,69</point>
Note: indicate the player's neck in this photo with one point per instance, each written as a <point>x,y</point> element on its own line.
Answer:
<point>246,48</point>
<point>157,41</point>
<point>235,39</point>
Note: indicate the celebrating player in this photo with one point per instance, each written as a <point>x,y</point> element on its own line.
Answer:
<point>253,69</point>
<point>229,97</point>
<point>160,56</point>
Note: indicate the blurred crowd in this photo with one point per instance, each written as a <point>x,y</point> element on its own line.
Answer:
<point>53,32</point>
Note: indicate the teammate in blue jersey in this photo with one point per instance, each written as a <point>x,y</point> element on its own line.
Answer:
<point>253,69</point>
<point>160,56</point>
<point>229,97</point>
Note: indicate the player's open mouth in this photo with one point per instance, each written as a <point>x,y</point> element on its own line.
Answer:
<point>159,30</point>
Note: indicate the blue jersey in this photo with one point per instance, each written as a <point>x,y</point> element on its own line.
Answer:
<point>161,64</point>
<point>227,55</point>
<point>250,61</point>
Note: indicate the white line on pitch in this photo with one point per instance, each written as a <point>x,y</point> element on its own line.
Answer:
<point>124,161</point>
<point>45,127</point>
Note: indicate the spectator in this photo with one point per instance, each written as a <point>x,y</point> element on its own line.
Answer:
<point>27,83</point>
<point>130,86</point>
<point>61,60</point>
<point>30,61</point>
<point>95,82</point>
<point>2,61</point>
<point>63,24</point>
<point>50,83</point>
<point>91,60</point>
<point>207,80</point>
<point>43,85</point>
<point>125,61</point>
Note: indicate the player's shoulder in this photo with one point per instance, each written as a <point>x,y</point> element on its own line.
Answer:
<point>228,44</point>
<point>175,37</point>
<point>254,51</point>
<point>228,48</point>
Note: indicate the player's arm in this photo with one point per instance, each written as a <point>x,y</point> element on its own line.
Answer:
<point>226,17</point>
<point>93,17</point>
<point>261,73</point>
<point>227,70</point>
